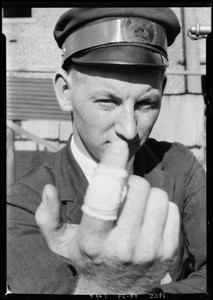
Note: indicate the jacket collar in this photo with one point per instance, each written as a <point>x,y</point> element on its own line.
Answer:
<point>70,179</point>
<point>149,163</point>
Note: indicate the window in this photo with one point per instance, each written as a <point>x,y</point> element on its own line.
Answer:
<point>17,12</point>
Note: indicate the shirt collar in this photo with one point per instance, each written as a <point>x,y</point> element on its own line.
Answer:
<point>87,165</point>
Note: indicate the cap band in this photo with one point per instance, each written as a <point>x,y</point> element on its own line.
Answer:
<point>129,30</point>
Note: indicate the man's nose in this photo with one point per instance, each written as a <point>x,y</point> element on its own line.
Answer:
<point>126,124</point>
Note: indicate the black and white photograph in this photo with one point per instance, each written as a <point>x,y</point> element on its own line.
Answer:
<point>107,117</point>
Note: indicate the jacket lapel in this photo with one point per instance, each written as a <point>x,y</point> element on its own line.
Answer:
<point>149,163</point>
<point>71,184</point>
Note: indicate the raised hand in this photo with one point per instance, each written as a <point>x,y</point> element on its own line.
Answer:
<point>128,234</point>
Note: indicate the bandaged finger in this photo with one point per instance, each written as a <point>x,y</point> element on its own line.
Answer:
<point>105,193</point>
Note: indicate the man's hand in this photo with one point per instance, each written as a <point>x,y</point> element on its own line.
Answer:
<point>128,255</point>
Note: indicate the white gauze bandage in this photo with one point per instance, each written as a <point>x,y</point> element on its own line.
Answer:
<point>105,193</point>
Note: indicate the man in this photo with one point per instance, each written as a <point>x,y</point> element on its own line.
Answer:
<point>109,208</point>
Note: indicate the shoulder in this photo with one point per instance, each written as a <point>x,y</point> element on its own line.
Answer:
<point>30,187</point>
<point>175,156</point>
<point>26,193</point>
<point>162,147</point>
<point>36,178</point>
<point>179,154</point>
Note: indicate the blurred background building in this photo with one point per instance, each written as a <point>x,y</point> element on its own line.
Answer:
<point>36,127</point>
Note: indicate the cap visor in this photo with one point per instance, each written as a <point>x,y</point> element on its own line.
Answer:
<point>121,55</point>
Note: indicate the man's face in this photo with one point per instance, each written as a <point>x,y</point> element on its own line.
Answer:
<point>112,104</point>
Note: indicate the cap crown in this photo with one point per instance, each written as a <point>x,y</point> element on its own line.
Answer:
<point>76,18</point>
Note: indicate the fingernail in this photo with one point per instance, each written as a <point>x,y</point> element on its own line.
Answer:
<point>119,146</point>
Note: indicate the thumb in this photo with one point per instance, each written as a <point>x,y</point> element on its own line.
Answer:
<point>59,235</point>
<point>48,215</point>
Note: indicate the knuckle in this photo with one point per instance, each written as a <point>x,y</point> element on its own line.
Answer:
<point>167,253</point>
<point>159,200</point>
<point>138,183</point>
<point>174,208</point>
<point>144,255</point>
<point>123,252</point>
<point>135,180</point>
<point>89,248</point>
<point>148,248</point>
<point>159,194</point>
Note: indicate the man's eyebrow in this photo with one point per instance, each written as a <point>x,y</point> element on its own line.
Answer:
<point>102,93</point>
<point>150,93</point>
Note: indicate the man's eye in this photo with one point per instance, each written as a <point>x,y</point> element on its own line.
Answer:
<point>146,104</point>
<point>107,102</point>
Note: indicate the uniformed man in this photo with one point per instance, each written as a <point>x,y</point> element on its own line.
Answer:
<point>119,213</point>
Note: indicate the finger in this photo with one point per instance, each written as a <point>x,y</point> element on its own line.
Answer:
<point>116,155</point>
<point>48,217</point>
<point>103,196</point>
<point>153,226</point>
<point>132,214</point>
<point>124,238</point>
<point>48,213</point>
<point>171,233</point>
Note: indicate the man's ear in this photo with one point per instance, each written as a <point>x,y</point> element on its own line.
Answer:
<point>164,83</point>
<point>62,86</point>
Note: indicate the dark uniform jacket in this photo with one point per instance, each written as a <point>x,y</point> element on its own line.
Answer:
<point>33,268</point>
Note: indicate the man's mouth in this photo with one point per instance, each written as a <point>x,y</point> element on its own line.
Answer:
<point>131,145</point>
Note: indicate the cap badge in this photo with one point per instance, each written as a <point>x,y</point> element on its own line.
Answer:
<point>63,51</point>
<point>138,31</point>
